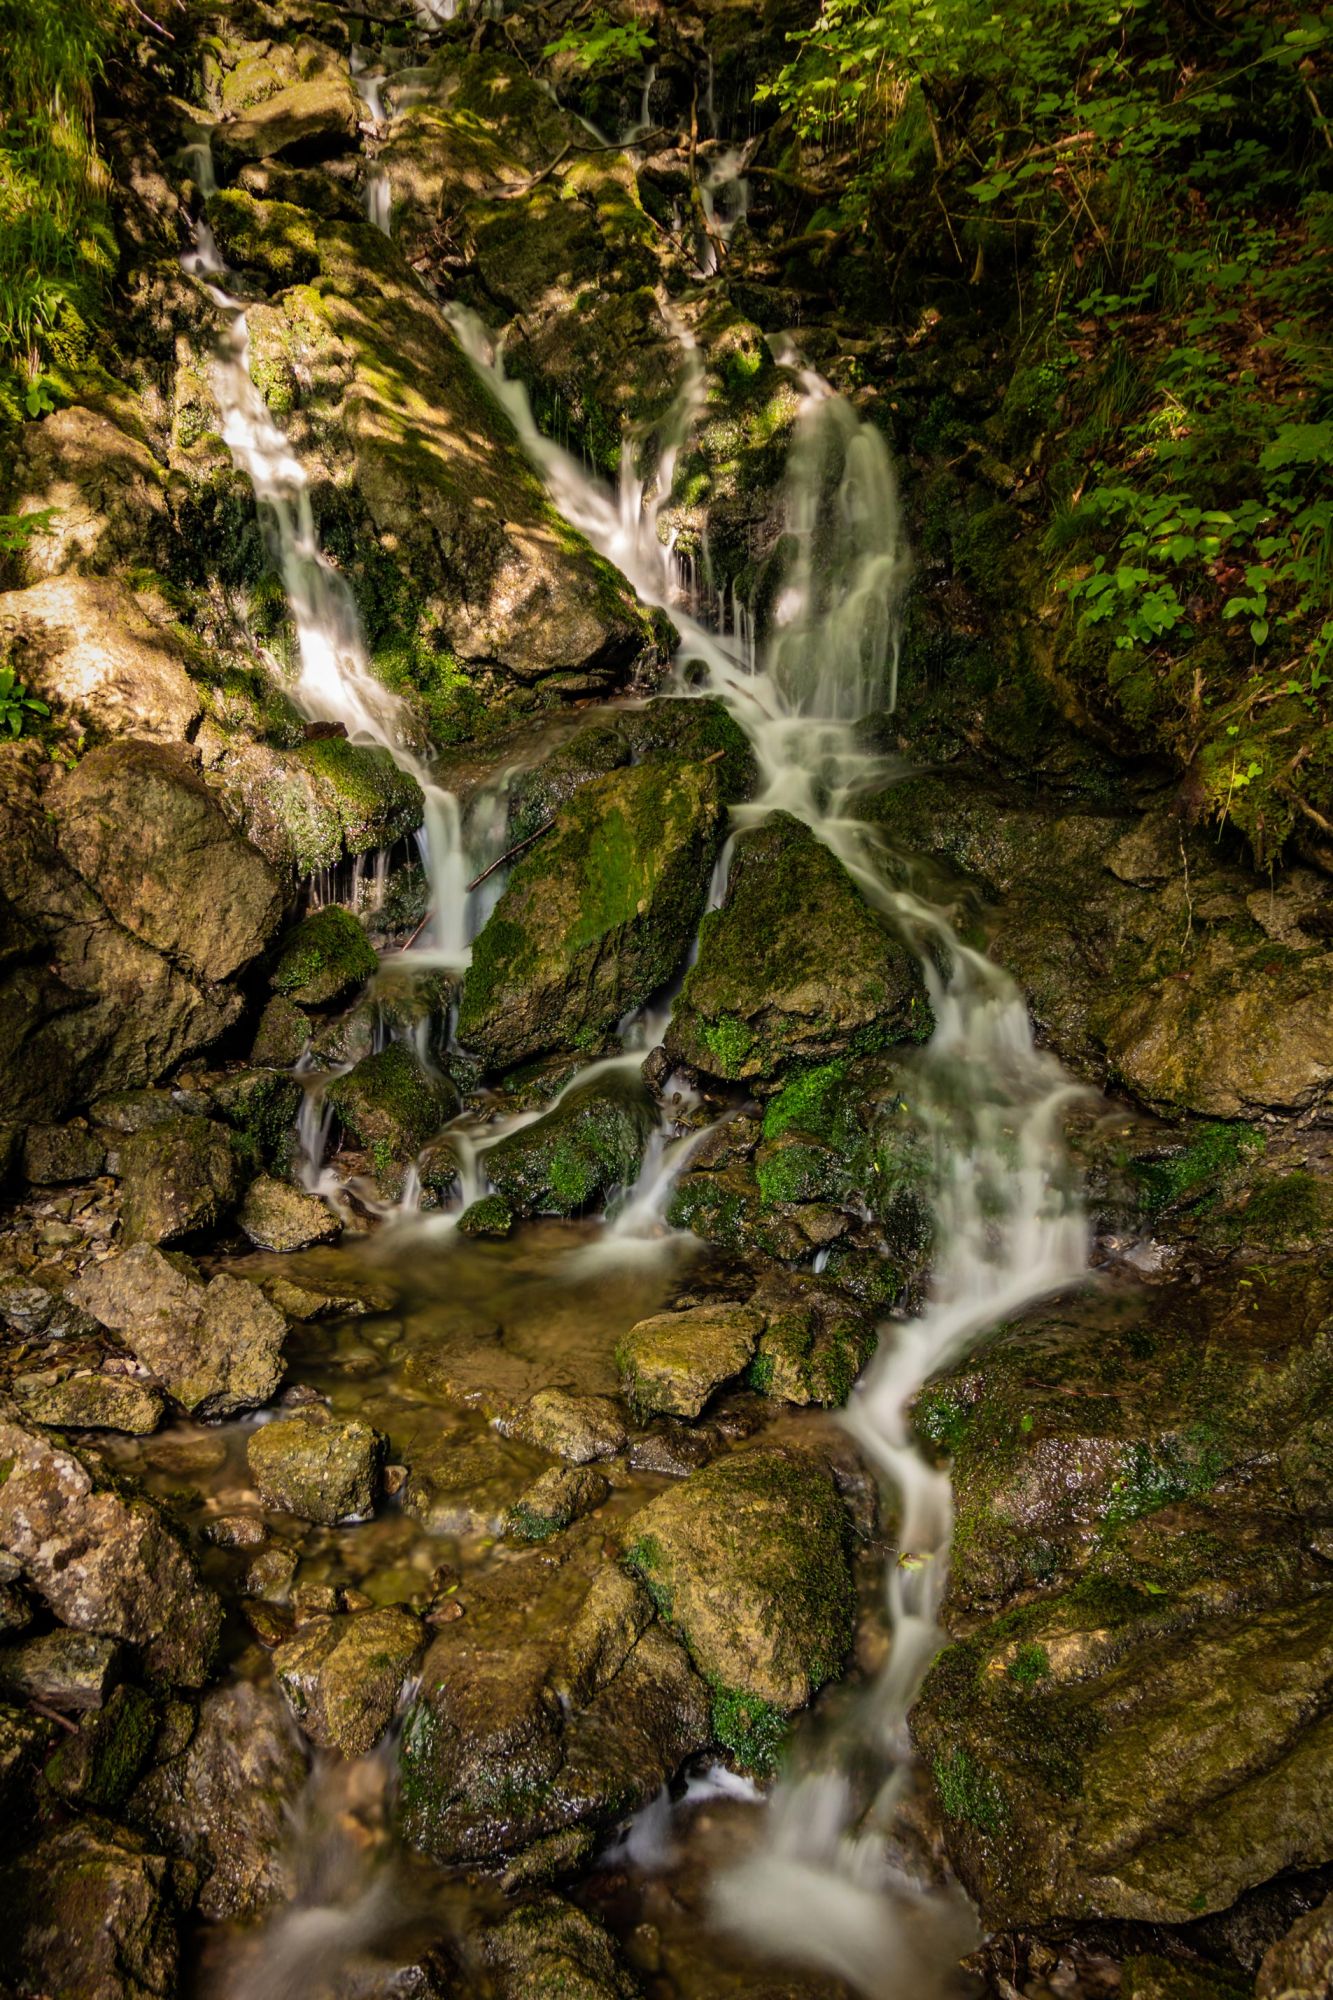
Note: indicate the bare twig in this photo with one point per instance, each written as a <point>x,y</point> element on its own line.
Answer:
<point>53,1715</point>
<point>509,854</point>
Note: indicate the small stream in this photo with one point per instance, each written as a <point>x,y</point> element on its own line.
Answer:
<point>810,1872</point>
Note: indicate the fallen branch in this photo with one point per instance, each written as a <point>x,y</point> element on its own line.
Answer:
<point>53,1715</point>
<point>509,854</point>
<point>611,146</point>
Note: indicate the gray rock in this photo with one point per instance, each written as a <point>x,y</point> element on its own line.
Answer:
<point>177,1179</point>
<point>277,1216</point>
<point>41,1310</point>
<point>92,1401</point>
<point>104,1560</point>
<point>343,1676</point>
<point>324,1469</point>
<point>67,1670</point>
<point>56,1154</point>
<point>671,1364</point>
<point>89,1916</point>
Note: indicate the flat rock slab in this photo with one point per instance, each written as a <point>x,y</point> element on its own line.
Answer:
<point>671,1364</point>
<point>578,1429</point>
<point>92,1401</point>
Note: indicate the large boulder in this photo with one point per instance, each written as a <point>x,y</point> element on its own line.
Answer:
<point>90,1915</point>
<point>141,827</point>
<point>392,1104</point>
<point>105,498</point>
<point>596,917</point>
<point>83,645</point>
<point>748,1560</point>
<point>306,121</point>
<point>216,1348</point>
<point>225,1800</point>
<point>795,968</point>
<point>103,1559</point>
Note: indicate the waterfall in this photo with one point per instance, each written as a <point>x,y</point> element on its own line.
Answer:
<point>821,1886</point>
<point>334,680</point>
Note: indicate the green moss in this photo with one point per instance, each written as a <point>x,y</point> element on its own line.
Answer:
<point>378,802</point>
<point>966,1793</point>
<point>812,1100</point>
<point>491,1216</point>
<point>1213,1159</point>
<point>271,237</point>
<point>1030,1664</point>
<point>1286,1209</point>
<point>323,958</point>
<point>390,1104</point>
<point>645,1558</point>
<point>1157,1475</point>
<point>759,1375</point>
<point>728,1042</point>
<point>753,1730</point>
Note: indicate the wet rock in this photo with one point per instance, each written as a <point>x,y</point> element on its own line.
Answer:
<point>36,1306</point>
<point>94,1402</point>
<point>273,238</point>
<point>277,1216</point>
<point>225,1799</point>
<point>748,1560</point>
<point>56,1155</point>
<point>90,1917</point>
<point>306,121</point>
<point>794,968</point>
<point>560,1496</point>
<point>270,1574</point>
<point>343,1676</point>
<point>813,1347</point>
<point>609,1623</point>
<point>1300,1965</point>
<point>324,1470</point>
<point>392,1104</point>
<point>25,1740</point>
<point>141,827</point>
<point>323,959</point>
<point>97,1767</point>
<point>104,1560</point>
<point>462,1486</point>
<point>176,1180</point>
<point>315,804</point>
<point>83,646</point>
<point>671,1364</point>
<point>578,1429</point>
<point>216,1348</point>
<point>72,1671</point>
<point>438,1171</point>
<point>591,1142</point>
<point>596,916</point>
<point>283,1035</point>
<point>548,1947</point>
<point>261,1109</point>
<point>700,728</point>
<point>490,1216</point>
<point>491,1761</point>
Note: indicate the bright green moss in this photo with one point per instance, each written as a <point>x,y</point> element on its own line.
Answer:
<point>753,1730</point>
<point>967,1794</point>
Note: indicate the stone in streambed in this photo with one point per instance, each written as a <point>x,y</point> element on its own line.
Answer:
<point>671,1364</point>
<point>323,959</point>
<point>592,1141</point>
<point>104,1559</point>
<point>324,1469</point>
<point>71,1671</point>
<point>343,1676</point>
<point>596,916</point>
<point>555,1500</point>
<point>491,1216</point>
<point>97,1767</point>
<point>224,1800</point>
<point>1300,1965</point>
<point>795,967</point>
<point>277,1216</point>
<point>548,1947</point>
<point>748,1561</point>
<point>177,1180</point>
<point>392,1104</point>
<point>578,1429</point>
<point>216,1348</point>
<point>92,1401</point>
<point>90,1915</point>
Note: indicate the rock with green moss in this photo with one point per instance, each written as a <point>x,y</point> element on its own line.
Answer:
<point>305,121</point>
<point>578,1429</point>
<point>224,1798</point>
<point>490,1762</point>
<point>91,1400</point>
<point>90,1915</point>
<point>342,1676</point>
<point>392,1104</point>
<point>553,1501</point>
<point>671,1364</point>
<point>596,916</point>
<point>177,1180</point>
<point>72,1671</point>
<point>311,805</point>
<point>323,959</point>
<point>814,1344</point>
<point>537,794</point>
<point>261,1108</point>
<point>97,1767</point>
<point>748,1560</point>
<point>277,1216</point>
<point>323,1468</point>
<point>548,1947</point>
<point>489,1216</point>
<point>589,1144</point>
<point>269,237</point>
<point>795,968</point>
<point>695,729</point>
<point>282,1037</point>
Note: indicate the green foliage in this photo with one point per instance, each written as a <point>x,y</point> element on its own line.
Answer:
<point>966,1793</point>
<point>1202,1171</point>
<point>17,706</point>
<point>1030,1665</point>
<point>57,249</point>
<point>602,43</point>
<point>753,1730</point>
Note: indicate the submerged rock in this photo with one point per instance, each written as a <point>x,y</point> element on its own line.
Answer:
<point>104,1560</point>
<point>225,1800</point>
<point>589,1143</point>
<point>578,1429</point>
<point>748,1559</point>
<point>277,1216</point>
<point>794,968</point>
<point>671,1364</point>
<point>322,1468</point>
<point>343,1676</point>
<point>177,1180</point>
<point>90,1916</point>
<point>596,916</point>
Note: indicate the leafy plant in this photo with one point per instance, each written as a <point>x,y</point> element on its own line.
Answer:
<point>17,706</point>
<point>602,44</point>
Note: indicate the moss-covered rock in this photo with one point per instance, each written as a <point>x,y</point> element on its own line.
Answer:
<point>270,237</point>
<point>305,121</point>
<point>311,805</point>
<point>323,959</point>
<point>555,1499</point>
<point>596,916</point>
<point>177,1180</point>
<point>342,1676</point>
<point>490,1215</point>
<point>795,968</point>
<point>748,1560</point>
<point>548,1947</point>
<point>93,1401</point>
<point>671,1364</point>
<point>578,1429</point>
<point>91,1913</point>
<point>392,1104</point>
<point>587,1145</point>
<point>324,1469</point>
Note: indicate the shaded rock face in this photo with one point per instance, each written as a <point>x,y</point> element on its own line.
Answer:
<point>794,967</point>
<point>90,1917</point>
<point>103,1562</point>
<point>216,1347</point>
<point>1146,960</point>
<point>343,1676</point>
<point>491,1759</point>
<point>597,916</point>
<point>225,1801</point>
<point>748,1560</point>
<point>1137,1723</point>
<point>109,506</point>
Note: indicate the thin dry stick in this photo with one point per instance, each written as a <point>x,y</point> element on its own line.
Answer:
<point>509,854</point>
